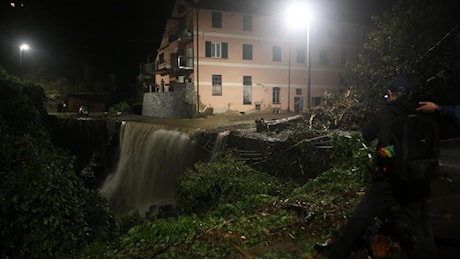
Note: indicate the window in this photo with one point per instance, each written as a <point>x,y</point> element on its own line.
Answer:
<point>161,58</point>
<point>300,55</point>
<point>276,95</point>
<point>298,91</point>
<point>247,23</point>
<point>216,49</point>
<point>247,52</point>
<point>323,57</point>
<point>247,80</point>
<point>276,53</point>
<point>217,85</point>
<point>344,57</point>
<point>247,90</point>
<point>216,20</point>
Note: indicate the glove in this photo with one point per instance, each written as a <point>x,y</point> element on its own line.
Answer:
<point>387,151</point>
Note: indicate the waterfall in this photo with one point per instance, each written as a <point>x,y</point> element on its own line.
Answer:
<point>151,159</point>
<point>219,144</point>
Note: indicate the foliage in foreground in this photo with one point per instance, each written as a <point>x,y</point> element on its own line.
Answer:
<point>227,181</point>
<point>259,217</point>
<point>46,210</point>
<point>411,41</point>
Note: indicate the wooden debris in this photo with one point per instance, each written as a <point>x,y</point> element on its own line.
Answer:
<point>275,124</point>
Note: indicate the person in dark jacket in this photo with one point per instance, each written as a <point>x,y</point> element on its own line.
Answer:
<point>385,190</point>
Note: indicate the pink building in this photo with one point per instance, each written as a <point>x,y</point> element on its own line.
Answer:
<point>242,61</point>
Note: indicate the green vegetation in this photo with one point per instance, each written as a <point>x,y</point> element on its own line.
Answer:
<point>226,181</point>
<point>409,40</point>
<point>122,107</point>
<point>46,210</point>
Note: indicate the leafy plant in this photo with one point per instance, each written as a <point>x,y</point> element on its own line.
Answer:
<point>350,151</point>
<point>46,210</point>
<point>401,45</point>
<point>227,180</point>
<point>121,107</point>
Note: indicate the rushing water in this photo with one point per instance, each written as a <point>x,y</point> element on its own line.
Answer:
<point>219,144</point>
<point>151,159</point>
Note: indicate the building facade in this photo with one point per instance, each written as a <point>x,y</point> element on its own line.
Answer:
<point>230,60</point>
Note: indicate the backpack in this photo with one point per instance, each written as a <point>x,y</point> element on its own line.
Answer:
<point>413,153</point>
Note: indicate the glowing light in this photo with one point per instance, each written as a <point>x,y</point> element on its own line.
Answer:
<point>13,4</point>
<point>23,47</point>
<point>298,16</point>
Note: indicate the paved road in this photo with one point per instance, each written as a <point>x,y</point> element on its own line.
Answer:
<point>445,201</point>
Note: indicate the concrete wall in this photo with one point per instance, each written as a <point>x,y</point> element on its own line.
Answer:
<point>174,104</point>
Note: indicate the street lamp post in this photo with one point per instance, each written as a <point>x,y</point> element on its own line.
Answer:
<point>23,47</point>
<point>289,76</point>
<point>298,17</point>
<point>308,67</point>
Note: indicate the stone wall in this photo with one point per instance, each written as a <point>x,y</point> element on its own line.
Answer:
<point>175,104</point>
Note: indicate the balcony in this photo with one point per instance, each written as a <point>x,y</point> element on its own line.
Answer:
<point>182,36</point>
<point>176,64</point>
<point>164,66</point>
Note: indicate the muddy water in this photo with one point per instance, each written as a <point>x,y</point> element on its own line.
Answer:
<point>151,159</point>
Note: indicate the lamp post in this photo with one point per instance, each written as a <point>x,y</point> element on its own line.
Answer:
<point>289,77</point>
<point>308,67</point>
<point>298,17</point>
<point>23,47</point>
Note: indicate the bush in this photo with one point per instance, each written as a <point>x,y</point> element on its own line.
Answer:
<point>350,169</point>
<point>350,151</point>
<point>122,107</point>
<point>46,210</point>
<point>225,180</point>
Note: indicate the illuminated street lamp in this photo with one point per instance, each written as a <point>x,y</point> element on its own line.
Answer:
<point>298,17</point>
<point>23,47</point>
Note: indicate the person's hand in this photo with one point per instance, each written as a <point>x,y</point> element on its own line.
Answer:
<point>427,106</point>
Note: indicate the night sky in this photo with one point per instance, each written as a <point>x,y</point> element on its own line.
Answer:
<point>111,36</point>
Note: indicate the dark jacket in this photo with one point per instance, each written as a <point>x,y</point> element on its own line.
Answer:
<point>381,126</point>
<point>385,120</point>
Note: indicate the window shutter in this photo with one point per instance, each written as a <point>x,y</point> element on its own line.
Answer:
<point>224,50</point>
<point>208,49</point>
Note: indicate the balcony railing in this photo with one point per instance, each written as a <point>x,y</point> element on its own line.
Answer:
<point>182,62</point>
<point>182,36</point>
